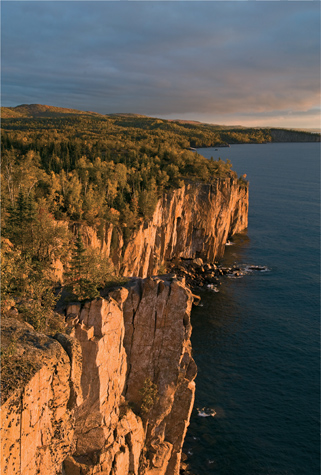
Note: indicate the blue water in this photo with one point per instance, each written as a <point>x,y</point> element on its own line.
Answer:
<point>256,342</point>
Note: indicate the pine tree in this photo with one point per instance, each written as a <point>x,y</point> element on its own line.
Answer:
<point>78,261</point>
<point>78,280</point>
<point>21,219</point>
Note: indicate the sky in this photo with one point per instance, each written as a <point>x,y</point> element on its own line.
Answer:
<point>252,63</point>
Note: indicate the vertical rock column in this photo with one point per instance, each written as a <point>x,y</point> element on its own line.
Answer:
<point>79,411</point>
<point>157,342</point>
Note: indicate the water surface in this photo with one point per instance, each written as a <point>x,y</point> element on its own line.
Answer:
<point>256,342</point>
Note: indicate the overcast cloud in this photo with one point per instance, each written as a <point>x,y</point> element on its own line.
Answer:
<point>225,62</point>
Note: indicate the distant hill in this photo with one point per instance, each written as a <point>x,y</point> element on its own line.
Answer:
<point>216,126</point>
<point>224,134</point>
<point>35,111</point>
<point>126,114</point>
<point>183,121</point>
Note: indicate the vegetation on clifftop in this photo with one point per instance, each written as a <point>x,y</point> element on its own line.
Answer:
<point>96,169</point>
<point>93,170</point>
<point>60,166</point>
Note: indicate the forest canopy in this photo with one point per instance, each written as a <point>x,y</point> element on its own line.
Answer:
<point>93,169</point>
<point>90,170</point>
<point>62,169</point>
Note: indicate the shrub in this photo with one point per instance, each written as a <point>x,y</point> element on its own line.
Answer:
<point>149,395</point>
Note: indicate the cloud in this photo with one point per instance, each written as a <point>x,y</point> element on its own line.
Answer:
<point>163,58</point>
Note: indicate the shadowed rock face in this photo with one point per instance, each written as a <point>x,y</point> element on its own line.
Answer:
<point>75,412</point>
<point>193,221</point>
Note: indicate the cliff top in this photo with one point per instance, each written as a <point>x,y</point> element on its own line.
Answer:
<point>23,352</point>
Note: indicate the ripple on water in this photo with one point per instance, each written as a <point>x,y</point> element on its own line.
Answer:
<point>256,342</point>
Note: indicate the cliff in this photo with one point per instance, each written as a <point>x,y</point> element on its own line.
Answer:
<point>193,221</point>
<point>113,396</point>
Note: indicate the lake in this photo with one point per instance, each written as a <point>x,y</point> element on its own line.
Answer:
<point>256,341</point>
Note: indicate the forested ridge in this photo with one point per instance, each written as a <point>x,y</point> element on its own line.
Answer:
<point>90,169</point>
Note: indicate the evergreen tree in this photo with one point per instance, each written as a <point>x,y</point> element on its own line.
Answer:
<point>77,279</point>
<point>20,222</point>
<point>78,261</point>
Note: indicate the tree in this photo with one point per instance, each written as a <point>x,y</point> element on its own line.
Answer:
<point>148,199</point>
<point>20,222</point>
<point>7,167</point>
<point>28,172</point>
<point>51,239</point>
<point>29,287</point>
<point>88,272</point>
<point>78,260</point>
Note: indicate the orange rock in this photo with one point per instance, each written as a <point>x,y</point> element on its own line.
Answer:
<point>36,424</point>
<point>193,221</point>
<point>75,409</point>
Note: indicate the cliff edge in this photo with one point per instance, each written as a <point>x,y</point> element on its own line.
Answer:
<point>113,396</point>
<point>193,221</point>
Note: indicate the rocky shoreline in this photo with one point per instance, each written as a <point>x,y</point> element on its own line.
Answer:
<point>113,392</point>
<point>198,274</point>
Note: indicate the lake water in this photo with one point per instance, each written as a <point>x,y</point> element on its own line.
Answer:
<point>256,342</point>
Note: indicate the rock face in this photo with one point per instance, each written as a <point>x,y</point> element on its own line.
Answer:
<point>36,422</point>
<point>115,394</point>
<point>193,221</point>
<point>157,342</point>
<point>79,412</point>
